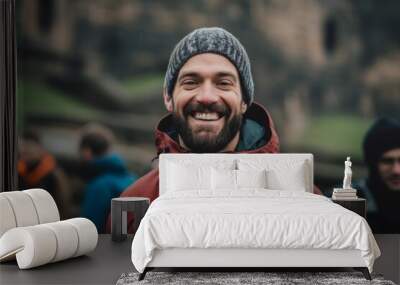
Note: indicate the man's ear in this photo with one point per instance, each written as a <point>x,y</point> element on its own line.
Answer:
<point>243,107</point>
<point>168,101</point>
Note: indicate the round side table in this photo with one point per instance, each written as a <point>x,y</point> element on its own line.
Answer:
<point>119,208</point>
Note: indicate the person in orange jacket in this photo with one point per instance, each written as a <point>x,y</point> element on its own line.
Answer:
<point>37,168</point>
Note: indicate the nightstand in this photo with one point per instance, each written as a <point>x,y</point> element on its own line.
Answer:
<point>119,208</point>
<point>357,205</point>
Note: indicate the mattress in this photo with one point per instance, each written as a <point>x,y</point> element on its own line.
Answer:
<point>251,219</point>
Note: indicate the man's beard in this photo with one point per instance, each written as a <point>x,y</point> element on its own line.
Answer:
<point>207,144</point>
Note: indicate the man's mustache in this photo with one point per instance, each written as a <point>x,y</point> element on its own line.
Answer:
<point>221,109</point>
<point>394,177</point>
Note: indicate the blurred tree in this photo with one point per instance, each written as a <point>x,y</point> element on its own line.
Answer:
<point>379,24</point>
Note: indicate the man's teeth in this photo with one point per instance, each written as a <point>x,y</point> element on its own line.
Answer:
<point>206,116</point>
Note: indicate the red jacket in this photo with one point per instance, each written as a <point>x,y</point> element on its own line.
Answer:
<point>147,185</point>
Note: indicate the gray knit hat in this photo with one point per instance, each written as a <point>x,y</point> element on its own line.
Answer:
<point>211,40</point>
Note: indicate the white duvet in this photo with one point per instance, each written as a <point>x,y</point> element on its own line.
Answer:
<point>252,218</point>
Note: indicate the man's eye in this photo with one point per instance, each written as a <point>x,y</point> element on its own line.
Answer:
<point>389,160</point>
<point>225,83</point>
<point>189,83</point>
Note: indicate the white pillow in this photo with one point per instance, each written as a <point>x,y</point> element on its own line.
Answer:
<point>223,179</point>
<point>280,174</point>
<point>187,174</point>
<point>251,178</point>
<point>181,178</point>
<point>294,181</point>
<point>237,179</point>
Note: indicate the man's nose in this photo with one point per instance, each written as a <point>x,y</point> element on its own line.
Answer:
<point>207,94</point>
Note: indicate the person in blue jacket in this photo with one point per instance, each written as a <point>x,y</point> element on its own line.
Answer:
<point>105,171</point>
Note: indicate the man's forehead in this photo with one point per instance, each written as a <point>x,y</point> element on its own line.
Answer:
<point>208,63</point>
<point>392,153</point>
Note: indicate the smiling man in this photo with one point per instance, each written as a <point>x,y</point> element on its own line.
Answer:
<point>207,104</point>
<point>209,92</point>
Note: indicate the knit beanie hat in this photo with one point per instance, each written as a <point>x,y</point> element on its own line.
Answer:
<point>211,40</point>
<point>383,136</point>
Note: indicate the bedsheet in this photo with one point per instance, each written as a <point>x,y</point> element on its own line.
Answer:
<point>251,218</point>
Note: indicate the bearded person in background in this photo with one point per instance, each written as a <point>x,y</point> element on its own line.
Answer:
<point>382,186</point>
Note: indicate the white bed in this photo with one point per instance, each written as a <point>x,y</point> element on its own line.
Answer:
<point>247,210</point>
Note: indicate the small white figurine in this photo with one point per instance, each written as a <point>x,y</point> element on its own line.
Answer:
<point>347,174</point>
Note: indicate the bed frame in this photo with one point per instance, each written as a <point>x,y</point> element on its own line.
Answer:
<point>243,259</point>
<point>246,258</point>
